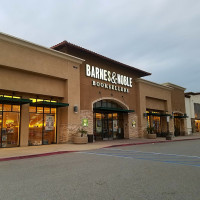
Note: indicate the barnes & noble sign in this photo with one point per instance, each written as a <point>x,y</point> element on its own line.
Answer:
<point>115,81</point>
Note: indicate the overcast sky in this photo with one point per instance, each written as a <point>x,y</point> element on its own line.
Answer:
<point>159,36</point>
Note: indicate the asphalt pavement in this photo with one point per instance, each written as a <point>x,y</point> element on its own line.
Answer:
<point>160,171</point>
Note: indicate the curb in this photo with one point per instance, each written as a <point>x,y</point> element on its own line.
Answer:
<point>64,152</point>
<point>34,155</point>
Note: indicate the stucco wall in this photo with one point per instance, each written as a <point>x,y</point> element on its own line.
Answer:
<point>152,96</point>
<point>189,103</point>
<point>33,71</point>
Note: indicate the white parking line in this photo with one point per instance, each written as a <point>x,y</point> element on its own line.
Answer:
<point>156,153</point>
<point>149,159</point>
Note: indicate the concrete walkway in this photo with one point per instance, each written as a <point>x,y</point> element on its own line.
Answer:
<point>45,150</point>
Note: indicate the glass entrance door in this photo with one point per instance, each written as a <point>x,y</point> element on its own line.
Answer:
<point>177,127</point>
<point>108,126</point>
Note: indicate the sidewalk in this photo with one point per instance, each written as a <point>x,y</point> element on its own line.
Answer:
<point>45,150</point>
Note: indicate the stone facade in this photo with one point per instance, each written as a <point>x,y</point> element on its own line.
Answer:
<point>132,129</point>
<point>63,133</point>
<point>87,114</point>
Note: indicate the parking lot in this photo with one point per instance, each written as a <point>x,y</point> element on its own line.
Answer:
<point>151,171</point>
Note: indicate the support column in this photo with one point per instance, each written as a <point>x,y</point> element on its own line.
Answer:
<point>24,125</point>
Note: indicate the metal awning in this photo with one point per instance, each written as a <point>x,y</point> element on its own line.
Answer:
<point>113,109</point>
<point>181,116</point>
<point>49,104</point>
<point>15,101</point>
<point>157,114</point>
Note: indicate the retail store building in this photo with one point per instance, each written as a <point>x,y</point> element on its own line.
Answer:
<point>192,103</point>
<point>47,94</point>
<point>38,88</point>
<point>119,104</point>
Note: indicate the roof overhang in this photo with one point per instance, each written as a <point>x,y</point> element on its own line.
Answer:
<point>68,44</point>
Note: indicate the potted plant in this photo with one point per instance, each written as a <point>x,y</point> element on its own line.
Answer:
<point>169,136</point>
<point>80,137</point>
<point>150,133</point>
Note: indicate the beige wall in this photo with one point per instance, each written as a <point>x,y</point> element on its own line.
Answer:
<point>34,71</point>
<point>28,82</point>
<point>152,96</point>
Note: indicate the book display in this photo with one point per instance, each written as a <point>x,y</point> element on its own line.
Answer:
<point>10,130</point>
<point>42,127</point>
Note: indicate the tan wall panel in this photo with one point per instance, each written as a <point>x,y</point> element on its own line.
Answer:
<point>21,57</point>
<point>146,90</point>
<point>178,100</point>
<point>25,82</point>
<point>155,104</point>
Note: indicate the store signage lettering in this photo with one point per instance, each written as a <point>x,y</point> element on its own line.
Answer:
<point>112,77</point>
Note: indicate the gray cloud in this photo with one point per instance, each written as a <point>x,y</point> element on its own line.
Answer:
<point>160,36</point>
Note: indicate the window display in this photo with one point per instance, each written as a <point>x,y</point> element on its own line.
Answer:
<point>9,125</point>
<point>42,125</point>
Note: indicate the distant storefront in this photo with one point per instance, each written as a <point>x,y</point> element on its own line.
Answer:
<point>192,102</point>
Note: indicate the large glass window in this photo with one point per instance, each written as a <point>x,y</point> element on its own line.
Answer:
<point>154,121</point>
<point>9,125</point>
<point>42,125</point>
<point>197,125</point>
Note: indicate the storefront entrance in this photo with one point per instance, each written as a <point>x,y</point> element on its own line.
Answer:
<point>108,126</point>
<point>179,124</point>
<point>108,120</point>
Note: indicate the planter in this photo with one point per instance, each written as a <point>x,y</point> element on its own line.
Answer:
<point>80,140</point>
<point>151,136</point>
<point>169,137</point>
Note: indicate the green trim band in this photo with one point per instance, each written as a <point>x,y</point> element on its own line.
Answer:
<point>157,114</point>
<point>7,100</point>
<point>113,109</point>
<point>49,104</point>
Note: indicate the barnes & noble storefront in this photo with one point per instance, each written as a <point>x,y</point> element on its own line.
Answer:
<point>108,122</point>
<point>42,121</point>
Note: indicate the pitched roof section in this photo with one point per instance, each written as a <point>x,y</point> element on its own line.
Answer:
<point>192,93</point>
<point>65,43</point>
<point>174,86</point>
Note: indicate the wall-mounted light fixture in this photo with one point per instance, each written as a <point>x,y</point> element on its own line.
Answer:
<point>75,109</point>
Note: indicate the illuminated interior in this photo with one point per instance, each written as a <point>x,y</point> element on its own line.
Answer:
<point>154,121</point>
<point>9,125</point>
<point>197,125</point>
<point>42,125</point>
<point>108,125</point>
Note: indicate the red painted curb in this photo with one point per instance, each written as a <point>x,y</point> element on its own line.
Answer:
<point>152,142</point>
<point>63,152</point>
<point>35,155</point>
